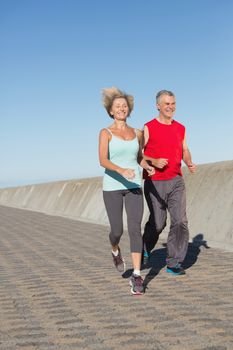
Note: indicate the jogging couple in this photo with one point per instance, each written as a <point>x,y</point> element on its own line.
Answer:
<point>159,150</point>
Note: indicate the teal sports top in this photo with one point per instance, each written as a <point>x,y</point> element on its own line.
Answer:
<point>123,153</point>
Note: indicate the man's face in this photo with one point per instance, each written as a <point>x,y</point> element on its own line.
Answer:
<point>167,106</point>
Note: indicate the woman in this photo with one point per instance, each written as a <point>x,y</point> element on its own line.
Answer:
<point>120,154</point>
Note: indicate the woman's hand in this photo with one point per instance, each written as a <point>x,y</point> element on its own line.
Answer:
<point>128,173</point>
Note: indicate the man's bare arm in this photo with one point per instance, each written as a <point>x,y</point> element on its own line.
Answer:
<point>187,158</point>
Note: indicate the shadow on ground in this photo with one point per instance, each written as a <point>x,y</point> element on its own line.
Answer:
<point>158,259</point>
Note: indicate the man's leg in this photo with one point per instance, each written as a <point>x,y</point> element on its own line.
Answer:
<point>178,237</point>
<point>155,194</point>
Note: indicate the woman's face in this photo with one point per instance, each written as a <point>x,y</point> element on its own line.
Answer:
<point>120,109</point>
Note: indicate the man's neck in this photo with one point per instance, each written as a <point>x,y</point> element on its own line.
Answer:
<point>164,120</point>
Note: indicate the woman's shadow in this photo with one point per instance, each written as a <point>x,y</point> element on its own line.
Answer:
<point>158,259</point>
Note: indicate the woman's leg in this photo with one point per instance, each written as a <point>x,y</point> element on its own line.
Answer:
<point>134,211</point>
<point>113,201</point>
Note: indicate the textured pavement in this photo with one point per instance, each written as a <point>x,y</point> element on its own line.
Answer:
<point>60,291</point>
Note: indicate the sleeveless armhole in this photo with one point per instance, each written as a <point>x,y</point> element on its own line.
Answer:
<point>148,132</point>
<point>109,131</point>
<point>136,133</point>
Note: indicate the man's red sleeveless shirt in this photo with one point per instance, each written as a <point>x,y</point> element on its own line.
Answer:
<point>165,141</point>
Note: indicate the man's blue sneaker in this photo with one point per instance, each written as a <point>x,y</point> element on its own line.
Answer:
<point>176,270</point>
<point>145,257</point>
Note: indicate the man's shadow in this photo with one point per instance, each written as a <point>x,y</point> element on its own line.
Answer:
<point>194,249</point>
<point>158,259</point>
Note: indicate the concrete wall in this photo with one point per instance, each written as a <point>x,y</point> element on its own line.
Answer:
<point>209,201</point>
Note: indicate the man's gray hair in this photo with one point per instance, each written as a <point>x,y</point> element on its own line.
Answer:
<point>163,92</point>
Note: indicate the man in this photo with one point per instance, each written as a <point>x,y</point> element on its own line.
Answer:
<point>165,147</point>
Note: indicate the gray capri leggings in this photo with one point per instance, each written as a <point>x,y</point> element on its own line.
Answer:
<point>133,201</point>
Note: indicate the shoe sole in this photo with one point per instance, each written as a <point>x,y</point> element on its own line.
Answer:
<point>176,273</point>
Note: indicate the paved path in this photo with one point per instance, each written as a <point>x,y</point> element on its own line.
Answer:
<point>59,291</point>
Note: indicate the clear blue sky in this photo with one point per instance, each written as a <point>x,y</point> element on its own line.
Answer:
<point>57,55</point>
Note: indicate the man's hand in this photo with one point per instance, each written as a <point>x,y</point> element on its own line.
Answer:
<point>192,167</point>
<point>160,163</point>
<point>150,170</point>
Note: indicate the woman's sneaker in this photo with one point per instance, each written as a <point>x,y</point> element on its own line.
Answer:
<point>136,283</point>
<point>118,261</point>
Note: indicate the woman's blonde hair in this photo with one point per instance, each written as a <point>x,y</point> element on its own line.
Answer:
<point>110,94</point>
